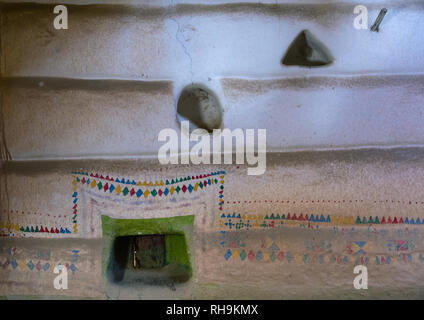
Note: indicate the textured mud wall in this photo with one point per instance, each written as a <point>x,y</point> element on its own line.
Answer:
<point>82,109</point>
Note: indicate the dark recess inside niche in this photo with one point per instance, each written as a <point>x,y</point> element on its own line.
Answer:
<point>156,259</point>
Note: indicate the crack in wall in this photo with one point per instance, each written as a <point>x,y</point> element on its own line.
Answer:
<point>172,10</point>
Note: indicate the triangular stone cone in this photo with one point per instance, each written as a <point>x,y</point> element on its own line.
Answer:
<point>307,50</point>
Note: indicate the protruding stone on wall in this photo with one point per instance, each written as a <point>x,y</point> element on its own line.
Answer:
<point>306,50</point>
<point>200,106</point>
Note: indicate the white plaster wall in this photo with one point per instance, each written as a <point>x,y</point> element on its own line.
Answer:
<point>333,106</point>
<point>108,85</point>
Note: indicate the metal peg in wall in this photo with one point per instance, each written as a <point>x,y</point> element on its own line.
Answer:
<point>376,25</point>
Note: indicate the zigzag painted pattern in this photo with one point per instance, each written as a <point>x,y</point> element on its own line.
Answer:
<point>307,258</point>
<point>249,221</point>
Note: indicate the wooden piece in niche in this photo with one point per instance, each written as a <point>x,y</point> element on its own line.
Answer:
<point>149,252</point>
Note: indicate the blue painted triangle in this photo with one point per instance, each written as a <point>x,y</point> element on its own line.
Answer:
<point>360,243</point>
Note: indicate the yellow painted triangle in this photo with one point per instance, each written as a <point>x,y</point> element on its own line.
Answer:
<point>298,257</point>
<point>146,193</point>
<point>172,190</point>
<point>161,183</point>
<point>139,183</point>
<point>93,183</point>
<point>118,189</point>
<point>235,254</point>
<point>268,242</point>
<point>196,186</point>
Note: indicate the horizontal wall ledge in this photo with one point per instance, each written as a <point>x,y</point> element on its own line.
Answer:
<point>329,112</point>
<point>167,3</point>
<point>51,83</point>
<point>152,168</point>
<point>59,118</point>
<point>68,118</point>
<point>191,42</point>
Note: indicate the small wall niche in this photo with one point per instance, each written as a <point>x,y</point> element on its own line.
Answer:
<point>147,251</point>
